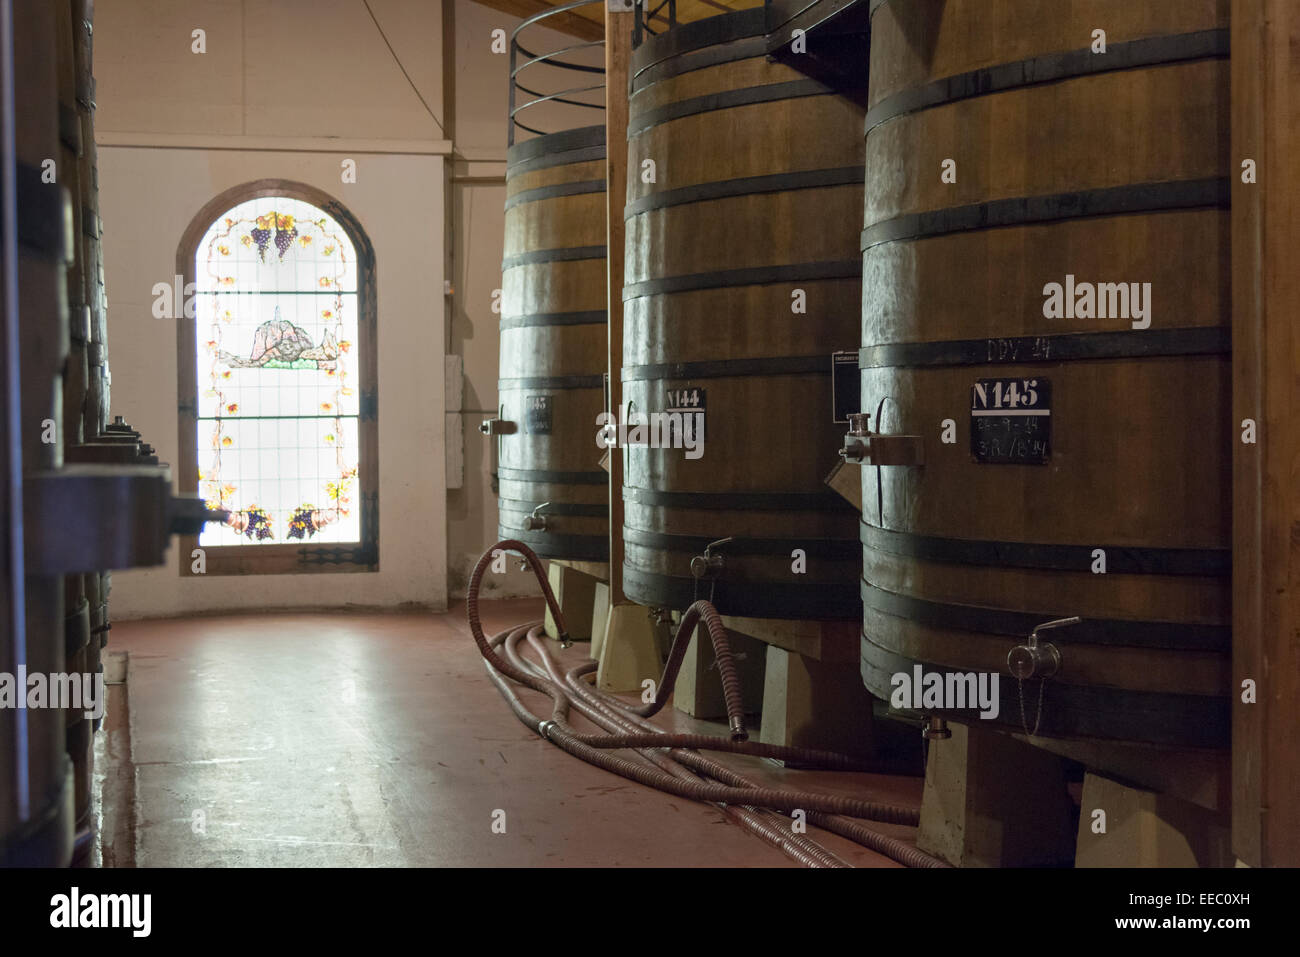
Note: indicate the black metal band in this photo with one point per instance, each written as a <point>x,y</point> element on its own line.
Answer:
<point>552,192</point>
<point>1077,711</point>
<point>729,368</point>
<point>745,48</point>
<point>687,37</point>
<point>1120,559</point>
<point>76,629</point>
<point>752,599</point>
<point>590,548</point>
<point>45,839</point>
<point>739,501</point>
<point>543,477</point>
<point>1064,347</point>
<point>538,319</point>
<point>817,600</point>
<point>1028,210</point>
<point>553,382</point>
<point>557,508</point>
<point>746,96</point>
<point>86,85</point>
<point>1108,632</point>
<point>40,213</point>
<point>1148,51</point>
<point>70,128</point>
<point>569,254</point>
<point>589,154</point>
<point>747,186</point>
<point>553,145</point>
<point>756,276</point>
<point>829,548</point>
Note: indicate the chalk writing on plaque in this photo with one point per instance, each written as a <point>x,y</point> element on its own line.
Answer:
<point>1011,421</point>
<point>537,414</point>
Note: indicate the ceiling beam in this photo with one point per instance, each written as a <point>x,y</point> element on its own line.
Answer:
<point>570,23</point>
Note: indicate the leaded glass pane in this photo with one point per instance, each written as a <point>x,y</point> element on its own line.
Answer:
<point>276,320</point>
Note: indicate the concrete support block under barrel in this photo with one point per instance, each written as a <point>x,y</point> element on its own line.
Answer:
<point>992,801</point>
<point>576,593</point>
<point>629,653</point>
<point>1122,826</point>
<point>809,703</point>
<point>698,691</point>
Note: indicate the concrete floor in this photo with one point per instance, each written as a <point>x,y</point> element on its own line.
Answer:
<point>376,739</point>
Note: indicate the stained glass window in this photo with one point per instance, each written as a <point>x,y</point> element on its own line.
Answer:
<point>277,404</point>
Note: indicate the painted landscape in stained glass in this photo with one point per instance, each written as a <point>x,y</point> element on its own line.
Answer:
<point>278,399</point>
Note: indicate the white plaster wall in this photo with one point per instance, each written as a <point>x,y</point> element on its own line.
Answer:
<point>277,71</point>
<point>176,128</point>
<point>148,197</point>
<point>272,67</point>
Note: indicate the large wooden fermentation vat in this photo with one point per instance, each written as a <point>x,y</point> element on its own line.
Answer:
<point>1099,487</point>
<point>742,278</point>
<point>553,347</point>
<point>81,648</point>
<point>36,777</point>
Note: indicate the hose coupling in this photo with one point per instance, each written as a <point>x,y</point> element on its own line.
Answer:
<point>564,640</point>
<point>738,732</point>
<point>935,728</point>
<point>661,616</point>
<point>544,729</point>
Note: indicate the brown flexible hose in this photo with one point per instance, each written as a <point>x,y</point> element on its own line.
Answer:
<point>891,847</point>
<point>592,747</point>
<point>796,846</point>
<point>700,610</point>
<point>766,825</point>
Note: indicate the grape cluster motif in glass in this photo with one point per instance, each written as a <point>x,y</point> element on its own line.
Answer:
<point>276,316</point>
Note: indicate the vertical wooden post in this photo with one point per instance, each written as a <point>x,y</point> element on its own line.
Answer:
<point>1266,474</point>
<point>629,652</point>
<point>619,17</point>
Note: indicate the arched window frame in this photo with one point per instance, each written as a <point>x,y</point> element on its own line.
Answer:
<point>305,557</point>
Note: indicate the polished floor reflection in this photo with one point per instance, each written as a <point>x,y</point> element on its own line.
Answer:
<point>348,739</point>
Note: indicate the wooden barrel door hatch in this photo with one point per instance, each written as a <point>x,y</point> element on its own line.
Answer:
<point>1060,301</point>
<point>742,278</point>
<point>554,495</point>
